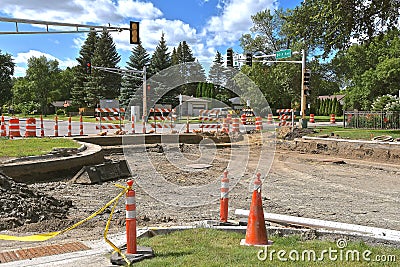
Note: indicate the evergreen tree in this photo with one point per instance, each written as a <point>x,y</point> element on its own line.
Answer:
<point>185,56</point>
<point>161,58</point>
<point>174,57</point>
<point>132,86</point>
<point>199,90</point>
<point>184,53</point>
<point>101,84</point>
<point>219,75</point>
<point>78,93</point>
<point>322,108</point>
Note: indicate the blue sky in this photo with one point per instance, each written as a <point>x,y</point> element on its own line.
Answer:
<point>207,25</point>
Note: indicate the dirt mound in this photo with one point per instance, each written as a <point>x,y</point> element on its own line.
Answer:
<point>286,133</point>
<point>19,205</point>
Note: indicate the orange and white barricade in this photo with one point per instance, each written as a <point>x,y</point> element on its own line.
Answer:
<point>165,120</point>
<point>108,120</point>
<point>283,120</point>
<point>224,199</point>
<point>235,125</point>
<point>225,125</point>
<point>81,125</point>
<point>259,126</point>
<point>211,117</point>
<point>143,124</point>
<point>312,118</point>
<point>69,133</point>
<point>3,127</point>
<point>332,119</point>
<point>133,124</point>
<point>56,126</point>
<point>30,128</point>
<point>229,117</point>
<point>210,126</point>
<point>243,118</point>
<point>130,205</point>
<point>283,117</point>
<point>13,128</point>
<point>41,126</point>
<point>270,120</point>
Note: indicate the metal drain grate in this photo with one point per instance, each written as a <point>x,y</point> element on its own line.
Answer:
<point>29,253</point>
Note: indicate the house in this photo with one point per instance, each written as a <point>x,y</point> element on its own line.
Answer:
<point>236,103</point>
<point>54,106</point>
<point>192,105</point>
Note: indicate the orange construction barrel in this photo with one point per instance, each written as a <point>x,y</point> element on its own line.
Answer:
<point>30,127</point>
<point>13,127</point>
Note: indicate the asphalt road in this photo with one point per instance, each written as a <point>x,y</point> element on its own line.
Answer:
<point>89,128</point>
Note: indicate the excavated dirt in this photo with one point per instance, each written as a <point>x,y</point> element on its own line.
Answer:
<point>314,185</point>
<point>20,205</point>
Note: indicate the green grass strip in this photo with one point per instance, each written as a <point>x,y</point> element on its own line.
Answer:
<point>33,146</point>
<point>210,247</point>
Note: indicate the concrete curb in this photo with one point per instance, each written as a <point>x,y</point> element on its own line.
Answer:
<point>39,168</point>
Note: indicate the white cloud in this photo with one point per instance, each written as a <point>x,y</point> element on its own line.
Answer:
<point>22,58</point>
<point>235,19</point>
<point>150,33</point>
<point>19,71</point>
<point>134,9</point>
<point>80,11</point>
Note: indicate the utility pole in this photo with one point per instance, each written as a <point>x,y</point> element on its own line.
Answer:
<point>303,96</point>
<point>144,94</point>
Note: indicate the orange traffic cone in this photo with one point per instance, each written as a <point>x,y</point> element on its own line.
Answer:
<point>256,233</point>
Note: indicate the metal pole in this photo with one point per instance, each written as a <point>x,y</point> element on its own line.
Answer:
<point>303,97</point>
<point>144,94</point>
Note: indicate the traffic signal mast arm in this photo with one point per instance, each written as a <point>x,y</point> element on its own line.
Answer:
<point>78,27</point>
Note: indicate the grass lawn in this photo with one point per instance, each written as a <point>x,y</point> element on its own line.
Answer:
<point>355,134</point>
<point>33,146</point>
<point>209,247</point>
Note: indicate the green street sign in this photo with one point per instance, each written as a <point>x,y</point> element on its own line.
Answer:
<point>283,54</point>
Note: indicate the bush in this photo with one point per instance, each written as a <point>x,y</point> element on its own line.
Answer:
<point>60,112</point>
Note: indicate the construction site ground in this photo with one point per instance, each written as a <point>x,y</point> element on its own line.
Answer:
<point>299,184</point>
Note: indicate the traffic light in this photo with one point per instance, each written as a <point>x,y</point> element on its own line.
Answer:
<point>88,68</point>
<point>306,81</point>
<point>249,59</point>
<point>134,32</point>
<point>229,57</point>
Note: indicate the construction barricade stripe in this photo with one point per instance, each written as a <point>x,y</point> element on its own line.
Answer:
<point>118,110</point>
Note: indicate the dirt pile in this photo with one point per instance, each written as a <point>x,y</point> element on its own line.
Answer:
<point>286,133</point>
<point>20,205</point>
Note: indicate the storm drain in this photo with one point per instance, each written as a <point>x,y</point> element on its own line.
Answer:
<point>30,253</point>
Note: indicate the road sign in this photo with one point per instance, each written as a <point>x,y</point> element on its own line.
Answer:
<point>283,54</point>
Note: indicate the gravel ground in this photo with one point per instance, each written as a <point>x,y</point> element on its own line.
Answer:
<point>314,186</point>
